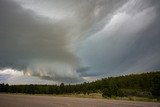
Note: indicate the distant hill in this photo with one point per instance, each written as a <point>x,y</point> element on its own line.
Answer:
<point>141,85</point>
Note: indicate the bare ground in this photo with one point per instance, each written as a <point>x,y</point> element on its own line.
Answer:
<point>13,100</point>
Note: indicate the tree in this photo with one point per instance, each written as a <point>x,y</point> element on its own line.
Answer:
<point>62,88</point>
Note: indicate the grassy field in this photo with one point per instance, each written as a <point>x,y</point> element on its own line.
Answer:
<point>99,96</point>
<point>92,95</point>
<point>37,100</point>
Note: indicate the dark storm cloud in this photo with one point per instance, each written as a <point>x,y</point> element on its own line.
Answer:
<point>129,43</point>
<point>68,40</point>
<point>35,44</point>
<point>42,43</point>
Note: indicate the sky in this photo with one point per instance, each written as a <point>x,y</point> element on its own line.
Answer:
<point>75,41</point>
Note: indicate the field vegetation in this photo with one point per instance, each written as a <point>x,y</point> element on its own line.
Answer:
<point>145,86</point>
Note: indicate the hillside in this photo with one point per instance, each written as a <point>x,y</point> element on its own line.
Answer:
<point>140,85</point>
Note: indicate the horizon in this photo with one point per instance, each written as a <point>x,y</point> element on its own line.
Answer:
<point>89,82</point>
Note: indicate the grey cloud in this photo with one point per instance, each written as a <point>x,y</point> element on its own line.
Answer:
<point>27,39</point>
<point>81,16</point>
<point>67,40</point>
<point>129,43</point>
<point>32,41</point>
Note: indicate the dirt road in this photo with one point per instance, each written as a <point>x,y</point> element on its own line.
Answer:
<point>12,100</point>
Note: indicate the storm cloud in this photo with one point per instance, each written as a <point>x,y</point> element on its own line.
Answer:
<point>74,41</point>
<point>129,43</point>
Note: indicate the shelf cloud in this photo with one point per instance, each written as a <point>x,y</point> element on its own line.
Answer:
<point>70,41</point>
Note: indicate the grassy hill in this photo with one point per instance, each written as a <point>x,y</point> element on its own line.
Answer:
<point>139,85</point>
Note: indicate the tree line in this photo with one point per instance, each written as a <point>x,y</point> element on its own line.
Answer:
<point>141,85</point>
